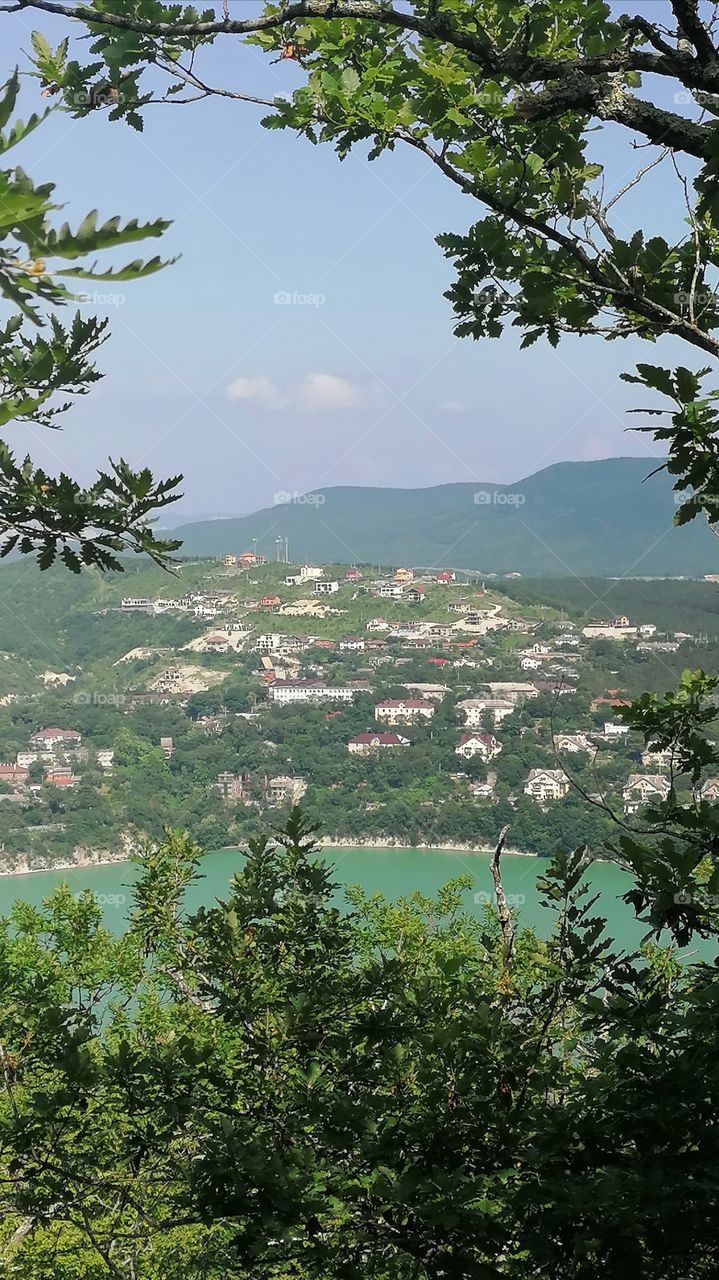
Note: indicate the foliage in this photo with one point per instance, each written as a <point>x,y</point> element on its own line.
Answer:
<point>41,359</point>
<point>271,1086</point>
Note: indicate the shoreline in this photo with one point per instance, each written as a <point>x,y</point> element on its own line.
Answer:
<point>341,842</point>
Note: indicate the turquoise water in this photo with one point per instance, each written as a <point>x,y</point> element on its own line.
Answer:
<point>392,872</point>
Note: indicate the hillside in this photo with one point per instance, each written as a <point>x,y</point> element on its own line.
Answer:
<point>572,518</point>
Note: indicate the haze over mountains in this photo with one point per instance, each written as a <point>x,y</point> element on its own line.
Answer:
<point>570,518</point>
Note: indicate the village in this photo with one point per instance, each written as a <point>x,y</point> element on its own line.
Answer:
<point>439,672</point>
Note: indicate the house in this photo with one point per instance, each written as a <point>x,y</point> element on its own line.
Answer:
<point>270,602</point>
<point>167,746</point>
<point>613,732</point>
<point>391,590</point>
<point>216,644</point>
<point>619,629</point>
<point>353,574</point>
<point>404,710</point>
<point>644,788</point>
<point>363,743</point>
<point>247,559</point>
<point>484,745</point>
<point>572,743</point>
<point>531,664</point>
<point>476,709</point>
<point>512,690</point>
<point>282,789</point>
<point>326,587</point>
<point>445,577</point>
<point>14,774</point>
<point>377,624</point>
<point>353,643</point>
<point>459,606</point>
<point>415,595</point>
<point>608,701</point>
<point>546,784</point>
<point>519,624</point>
<point>268,642</point>
<point>48,739</point>
<point>229,561</point>
<point>423,689</point>
<point>61,778</point>
<point>647,630</point>
<point>657,646</point>
<point>285,692</point>
<point>710,790</point>
<point>231,785</point>
<point>483,790</point>
<point>105,757</point>
<point>403,575</point>
<point>139,604</point>
<point>656,761</point>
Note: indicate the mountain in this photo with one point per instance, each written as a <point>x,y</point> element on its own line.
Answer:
<point>571,518</point>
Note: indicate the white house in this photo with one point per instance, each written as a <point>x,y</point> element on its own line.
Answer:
<point>48,739</point>
<point>353,643</point>
<point>326,587</point>
<point>404,710</point>
<point>546,784</point>
<point>572,743</point>
<point>285,692</point>
<point>391,590</point>
<point>644,788</point>
<point>484,745</point>
<point>613,732</point>
<point>475,709</point>
<point>282,788</point>
<point>531,664</point>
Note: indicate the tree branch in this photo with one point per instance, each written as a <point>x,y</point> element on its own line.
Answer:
<point>503,911</point>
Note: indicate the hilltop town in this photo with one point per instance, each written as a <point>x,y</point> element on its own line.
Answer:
<point>423,707</point>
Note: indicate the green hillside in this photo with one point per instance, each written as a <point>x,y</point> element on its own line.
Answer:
<point>572,518</point>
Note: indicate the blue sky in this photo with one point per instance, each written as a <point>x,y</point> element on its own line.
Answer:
<point>207,374</point>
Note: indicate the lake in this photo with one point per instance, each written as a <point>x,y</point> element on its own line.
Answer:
<point>392,872</point>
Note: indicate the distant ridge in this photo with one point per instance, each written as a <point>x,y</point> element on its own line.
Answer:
<point>578,518</point>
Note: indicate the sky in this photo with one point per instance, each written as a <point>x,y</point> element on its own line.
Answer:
<point>302,339</point>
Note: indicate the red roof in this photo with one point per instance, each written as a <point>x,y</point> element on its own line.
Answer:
<point>445,576</point>
<point>438,662</point>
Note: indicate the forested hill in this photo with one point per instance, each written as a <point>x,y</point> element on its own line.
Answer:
<point>571,518</point>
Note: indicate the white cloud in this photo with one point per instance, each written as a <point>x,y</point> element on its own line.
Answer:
<point>256,390</point>
<point>452,406</point>
<point>324,392</point>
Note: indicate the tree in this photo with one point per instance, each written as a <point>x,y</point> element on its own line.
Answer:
<point>43,362</point>
<point>270,1087</point>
